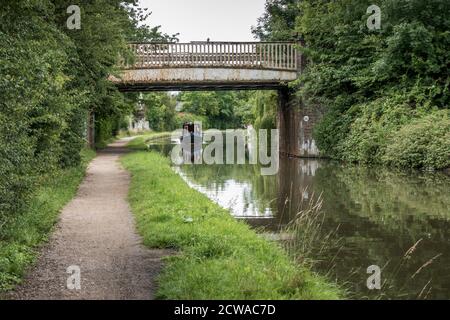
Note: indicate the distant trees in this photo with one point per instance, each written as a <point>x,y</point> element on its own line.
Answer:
<point>215,109</point>
<point>232,109</point>
<point>161,112</point>
<point>219,108</point>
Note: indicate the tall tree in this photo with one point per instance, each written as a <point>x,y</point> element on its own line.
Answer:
<point>278,21</point>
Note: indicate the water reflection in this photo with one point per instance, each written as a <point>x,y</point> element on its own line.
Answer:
<point>380,214</point>
<point>235,194</point>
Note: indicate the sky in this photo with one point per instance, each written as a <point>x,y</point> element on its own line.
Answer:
<point>198,20</point>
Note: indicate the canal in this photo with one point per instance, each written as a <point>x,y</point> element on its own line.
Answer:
<point>399,221</point>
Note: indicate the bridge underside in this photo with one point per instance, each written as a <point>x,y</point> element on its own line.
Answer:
<point>173,79</point>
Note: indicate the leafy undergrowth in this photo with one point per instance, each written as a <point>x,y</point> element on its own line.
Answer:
<point>220,257</point>
<point>21,237</point>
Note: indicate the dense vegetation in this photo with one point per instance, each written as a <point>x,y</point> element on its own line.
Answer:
<point>386,91</point>
<point>51,78</point>
<point>215,109</point>
<point>220,109</point>
<point>221,257</point>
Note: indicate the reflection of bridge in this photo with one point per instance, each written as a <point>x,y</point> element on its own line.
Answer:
<point>209,66</point>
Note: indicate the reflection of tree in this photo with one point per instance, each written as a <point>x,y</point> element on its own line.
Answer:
<point>381,215</point>
<point>401,202</point>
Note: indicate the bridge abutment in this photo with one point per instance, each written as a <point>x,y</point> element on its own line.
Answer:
<point>296,119</point>
<point>296,122</point>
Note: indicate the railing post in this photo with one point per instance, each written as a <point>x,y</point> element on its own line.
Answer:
<point>275,55</point>
<point>300,59</point>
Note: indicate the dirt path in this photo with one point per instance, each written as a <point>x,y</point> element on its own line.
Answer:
<point>96,232</point>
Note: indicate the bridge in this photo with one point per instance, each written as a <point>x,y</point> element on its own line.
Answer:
<point>209,66</point>
<point>227,66</point>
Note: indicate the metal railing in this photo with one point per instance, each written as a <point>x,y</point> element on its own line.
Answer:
<point>262,55</point>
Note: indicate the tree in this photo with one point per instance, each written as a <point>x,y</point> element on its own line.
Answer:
<point>278,21</point>
<point>219,108</point>
<point>374,84</point>
<point>160,111</point>
<point>50,77</point>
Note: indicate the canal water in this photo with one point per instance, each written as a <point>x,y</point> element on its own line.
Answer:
<point>399,221</point>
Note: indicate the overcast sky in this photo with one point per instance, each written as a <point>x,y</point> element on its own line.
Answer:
<point>197,20</point>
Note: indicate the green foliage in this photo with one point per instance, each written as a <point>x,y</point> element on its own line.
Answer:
<point>265,109</point>
<point>372,83</point>
<point>234,109</point>
<point>278,21</point>
<point>105,130</point>
<point>216,107</point>
<point>50,78</point>
<point>368,134</point>
<point>221,258</point>
<point>33,104</point>
<point>30,228</point>
<point>424,143</point>
<point>161,112</point>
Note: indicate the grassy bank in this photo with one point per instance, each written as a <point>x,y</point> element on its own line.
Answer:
<point>21,237</point>
<point>219,257</point>
<point>140,143</point>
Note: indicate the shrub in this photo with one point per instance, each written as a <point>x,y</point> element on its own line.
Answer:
<point>368,133</point>
<point>424,143</point>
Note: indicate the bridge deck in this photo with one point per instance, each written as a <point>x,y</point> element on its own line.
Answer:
<point>208,65</point>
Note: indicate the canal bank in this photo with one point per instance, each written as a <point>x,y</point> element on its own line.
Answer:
<point>219,257</point>
<point>368,216</point>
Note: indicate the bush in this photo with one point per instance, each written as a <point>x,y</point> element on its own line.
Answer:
<point>390,133</point>
<point>367,135</point>
<point>32,102</point>
<point>424,143</point>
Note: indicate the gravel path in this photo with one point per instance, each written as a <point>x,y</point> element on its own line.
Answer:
<point>96,232</point>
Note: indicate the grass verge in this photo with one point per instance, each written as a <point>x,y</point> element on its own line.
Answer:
<point>21,237</point>
<point>140,142</point>
<point>220,257</point>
